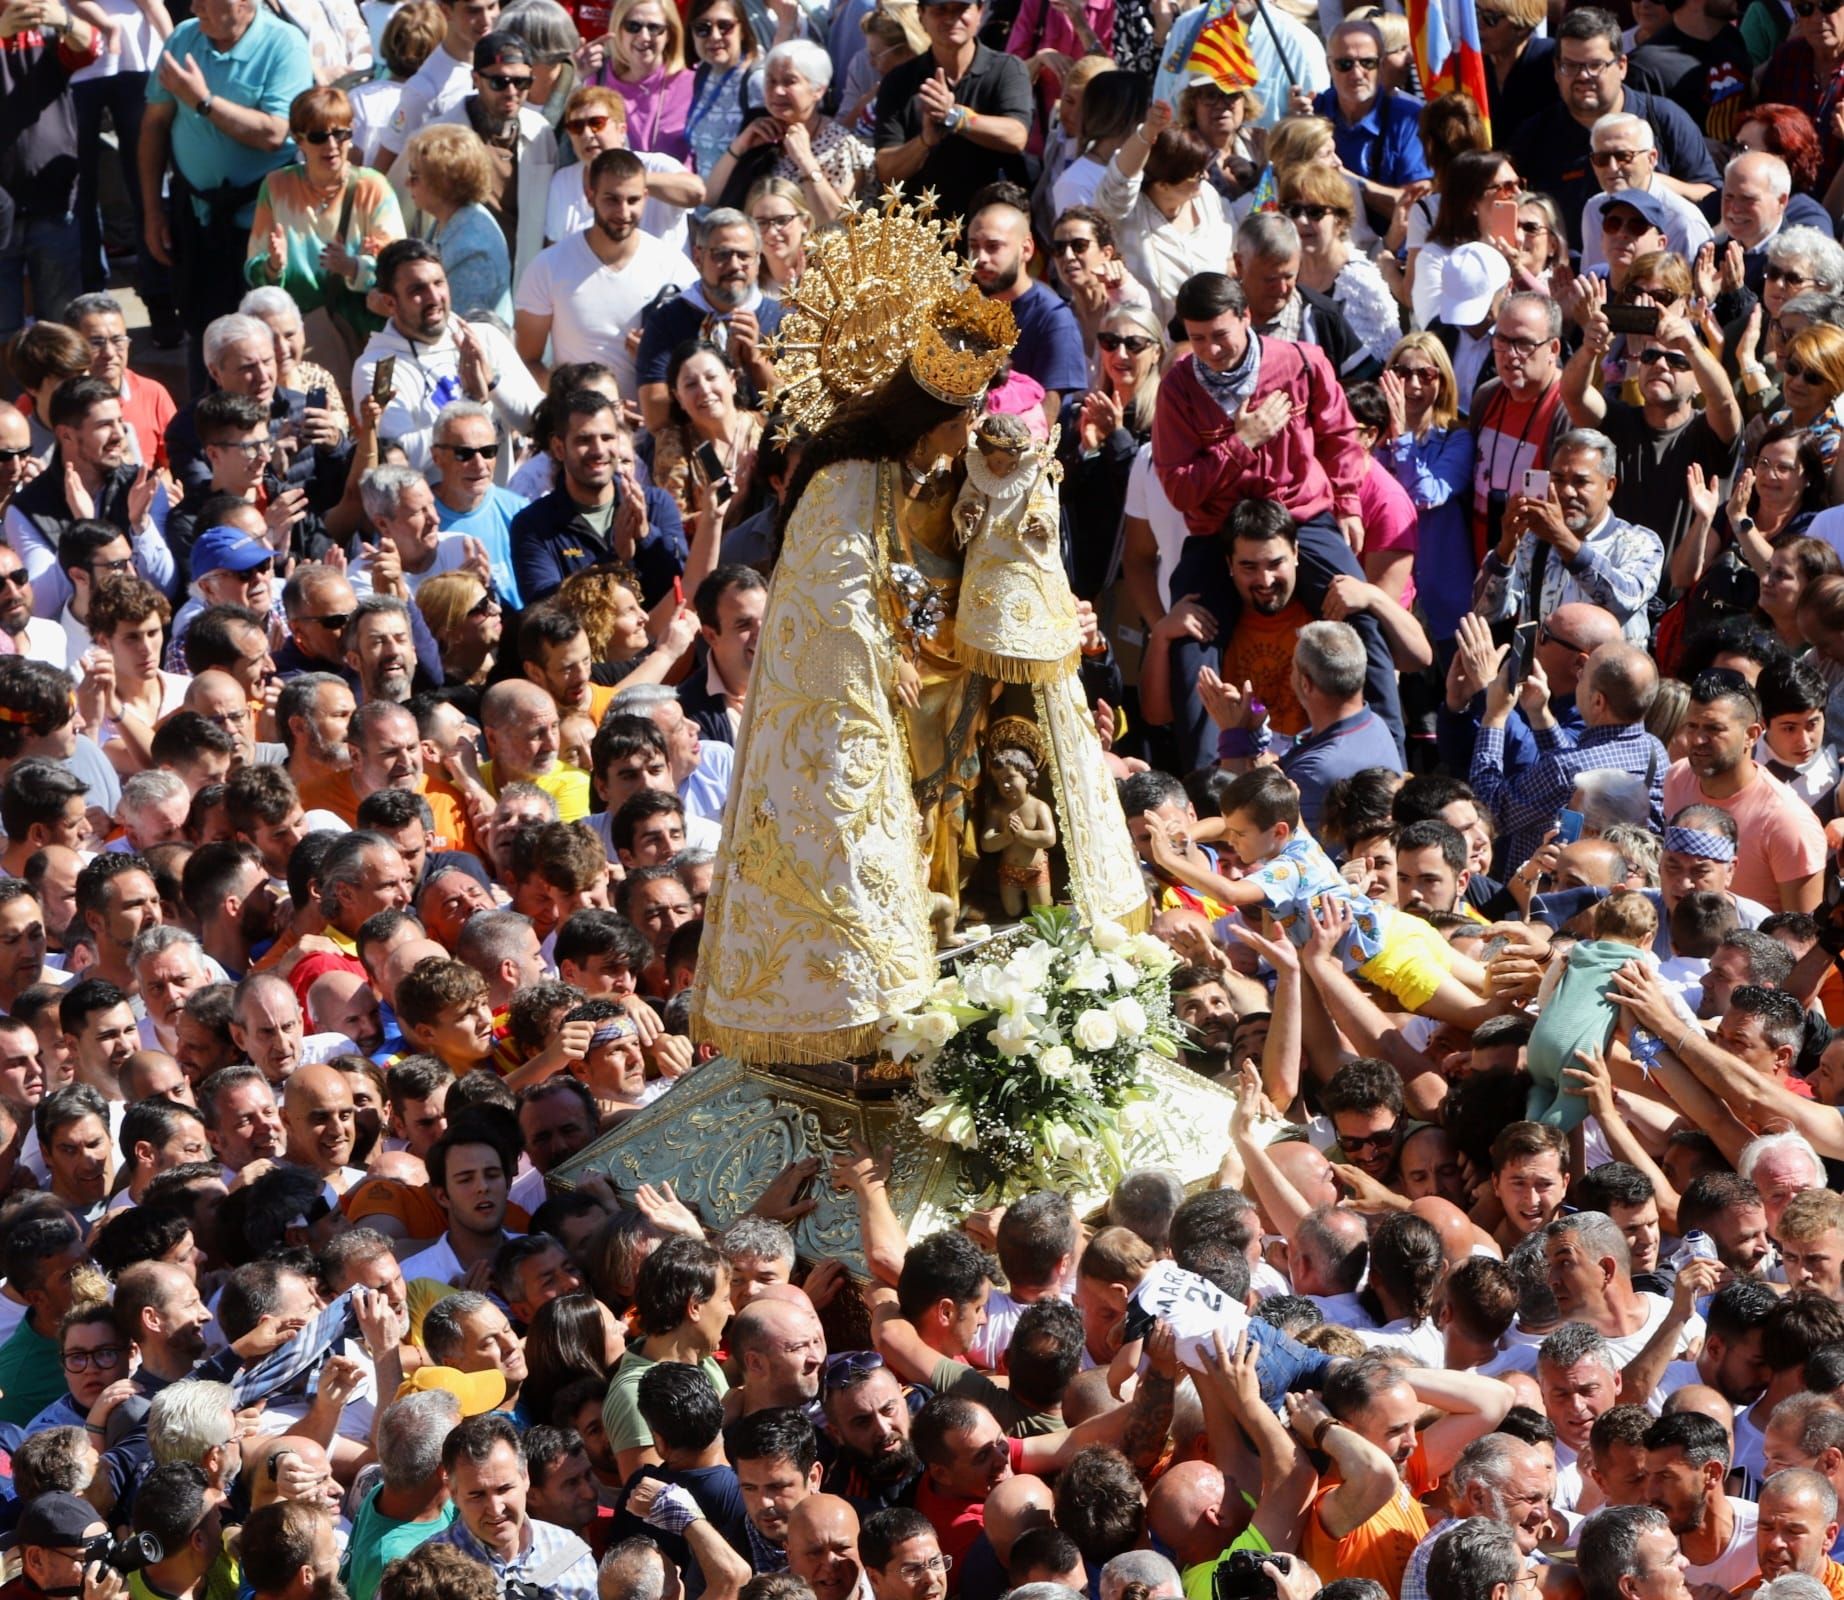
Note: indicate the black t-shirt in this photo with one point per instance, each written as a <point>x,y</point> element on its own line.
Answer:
<point>1708,77</point>
<point>994,86</point>
<point>715,1490</point>
<point>1650,492</point>
<point>1552,153</point>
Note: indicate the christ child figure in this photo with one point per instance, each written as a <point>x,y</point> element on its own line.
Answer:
<point>1019,828</point>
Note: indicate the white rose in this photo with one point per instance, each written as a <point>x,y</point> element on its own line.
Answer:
<point>1096,1030</point>
<point>950,1123</point>
<point>1059,1061</point>
<point>935,1028</point>
<point>1089,972</point>
<point>1106,935</point>
<point>1129,1016</point>
<point>1151,953</point>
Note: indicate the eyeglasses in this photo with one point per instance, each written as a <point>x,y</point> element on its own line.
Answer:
<point>730,255</point>
<point>850,1367</point>
<point>780,222</point>
<point>501,82</point>
<point>1513,185</point>
<point>105,1355</point>
<point>1548,635</point>
<point>1382,1139</point>
<point>1417,374</point>
<point>1302,212</point>
<point>1133,343</point>
<point>15,453</point>
<point>115,341</point>
<point>1590,69</point>
<point>1626,225</point>
<point>335,620</point>
<point>1617,158</point>
<point>1355,64</point>
<point>703,30</point>
<point>654,28</point>
<point>486,606</point>
<point>1071,247</point>
<point>467,452</point>
<point>247,447</point>
<point>1517,347</point>
<point>322,135</point>
<point>1676,360</point>
<point>917,1571</point>
<point>110,569</point>
<point>589,124</point>
<point>1786,275</point>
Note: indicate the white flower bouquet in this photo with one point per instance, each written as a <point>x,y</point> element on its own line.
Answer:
<point>1031,1060</point>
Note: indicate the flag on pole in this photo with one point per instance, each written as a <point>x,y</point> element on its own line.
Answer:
<point>1221,50</point>
<point>1445,36</point>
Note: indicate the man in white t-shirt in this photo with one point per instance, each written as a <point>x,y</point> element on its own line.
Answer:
<point>1687,1461</point>
<point>445,79</point>
<point>585,294</point>
<point>1590,1274</point>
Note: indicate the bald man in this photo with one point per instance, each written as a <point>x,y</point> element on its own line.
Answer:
<point>220,698</point>
<point>782,1349</point>
<point>1019,1504</point>
<point>16,441</point>
<point>343,1003</point>
<point>267,1026</point>
<point>823,1547</point>
<point>524,736</point>
<point>401,961</point>
<point>1708,1402</point>
<point>1185,1513</point>
<point>291,1466</point>
<point>320,1118</point>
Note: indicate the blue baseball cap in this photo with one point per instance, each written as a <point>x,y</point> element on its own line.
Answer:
<point>227,550</point>
<point>1648,205</point>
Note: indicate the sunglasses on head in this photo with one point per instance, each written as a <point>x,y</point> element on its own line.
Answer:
<point>501,82</point>
<point>850,1367</point>
<point>1676,360</point>
<point>467,452</point>
<point>323,135</point>
<point>1356,64</point>
<point>631,26</point>
<point>1132,343</point>
<point>1300,211</point>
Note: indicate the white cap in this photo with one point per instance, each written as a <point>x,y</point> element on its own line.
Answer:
<point>1470,278</point>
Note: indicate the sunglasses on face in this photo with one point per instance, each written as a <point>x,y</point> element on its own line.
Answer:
<point>703,30</point>
<point>1530,229</point>
<point>336,620</point>
<point>15,579</point>
<point>1381,1140</point>
<point>1786,275</point>
<point>1506,186</point>
<point>632,27</point>
<point>502,82</point>
<point>1807,9</point>
<point>1795,372</point>
<point>322,136</point>
<point>467,452</point>
<point>1617,158</point>
<point>486,606</point>
<point>1356,64</point>
<point>1071,247</point>
<point>108,1355</point>
<point>1303,212</point>
<point>1416,374</point>
<point>110,569</point>
<point>592,124</point>
<point>1626,227</point>
<point>10,453</point>
<point>1132,343</point>
<point>1676,360</point>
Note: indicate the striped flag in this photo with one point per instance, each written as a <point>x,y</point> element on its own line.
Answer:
<point>1445,36</point>
<point>1221,50</point>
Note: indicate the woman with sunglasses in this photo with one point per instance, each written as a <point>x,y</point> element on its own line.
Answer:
<point>448,176</point>
<point>1429,451</point>
<point>1113,420</point>
<point>595,120</point>
<point>319,224</point>
<point>701,381</point>
<point>1321,207</point>
<point>1811,383</point>
<point>466,620</point>
<point>1542,241</point>
<point>1170,223</point>
<point>1478,187</point>
<point>1800,261</point>
<point>725,46</point>
<point>645,65</point>
<point>1095,280</point>
<point>779,211</point>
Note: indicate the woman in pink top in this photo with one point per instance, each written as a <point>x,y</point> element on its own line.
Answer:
<point>645,64</point>
<point>1392,530</point>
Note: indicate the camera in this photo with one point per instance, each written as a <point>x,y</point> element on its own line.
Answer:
<point>1243,1576</point>
<point>128,1554</point>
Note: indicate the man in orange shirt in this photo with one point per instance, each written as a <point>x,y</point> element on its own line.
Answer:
<point>386,747</point>
<point>1797,1526</point>
<point>313,716</point>
<point>1366,1524</point>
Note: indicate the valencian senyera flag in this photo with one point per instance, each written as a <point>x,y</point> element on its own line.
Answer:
<point>1445,37</point>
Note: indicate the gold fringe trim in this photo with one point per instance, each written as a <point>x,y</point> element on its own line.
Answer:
<point>757,1047</point>
<point>1139,920</point>
<point>1012,669</point>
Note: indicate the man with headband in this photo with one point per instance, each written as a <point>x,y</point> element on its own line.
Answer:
<point>1700,846</point>
<point>613,1066</point>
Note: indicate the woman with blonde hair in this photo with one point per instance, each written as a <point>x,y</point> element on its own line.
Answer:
<point>319,224</point>
<point>1429,451</point>
<point>466,621</point>
<point>1811,382</point>
<point>783,219</point>
<point>644,63</point>
<point>1319,203</point>
<point>448,175</point>
<point>1113,422</point>
<point>892,35</point>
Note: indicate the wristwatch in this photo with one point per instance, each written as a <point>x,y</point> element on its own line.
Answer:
<point>956,120</point>
<point>205,105</point>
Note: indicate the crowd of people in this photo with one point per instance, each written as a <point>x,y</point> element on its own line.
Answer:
<point>1455,497</point>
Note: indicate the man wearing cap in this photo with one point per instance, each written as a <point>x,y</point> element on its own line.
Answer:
<point>1624,154</point>
<point>956,118</point>
<point>1552,151</point>
<point>521,145</point>
<point>51,1535</point>
<point>1657,441</point>
<point>229,568</point>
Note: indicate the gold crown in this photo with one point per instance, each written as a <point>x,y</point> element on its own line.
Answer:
<point>963,344</point>
<point>866,303</point>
